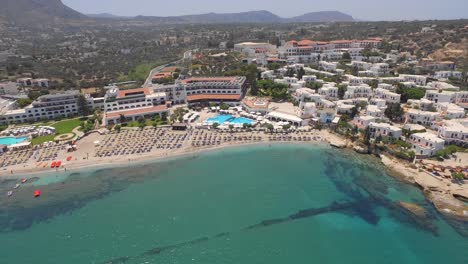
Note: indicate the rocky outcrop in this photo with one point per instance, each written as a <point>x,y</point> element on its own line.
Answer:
<point>413,208</point>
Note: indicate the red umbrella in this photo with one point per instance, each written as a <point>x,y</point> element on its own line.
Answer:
<point>37,193</point>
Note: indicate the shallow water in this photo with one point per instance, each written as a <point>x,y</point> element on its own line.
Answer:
<point>258,204</point>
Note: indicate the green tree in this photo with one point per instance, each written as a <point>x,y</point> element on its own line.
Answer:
<point>290,72</point>
<point>286,127</point>
<point>300,73</point>
<point>122,118</point>
<point>410,93</point>
<point>394,111</point>
<point>118,128</point>
<point>23,102</point>
<point>367,136</point>
<point>224,106</point>
<point>458,176</point>
<point>270,127</point>
<point>83,107</point>
<point>341,90</point>
<point>231,127</point>
<point>346,56</point>
<point>215,125</point>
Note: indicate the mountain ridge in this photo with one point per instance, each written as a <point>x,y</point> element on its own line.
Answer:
<point>44,12</point>
<point>258,16</point>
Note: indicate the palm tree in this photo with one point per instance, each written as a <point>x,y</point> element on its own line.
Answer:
<point>122,118</point>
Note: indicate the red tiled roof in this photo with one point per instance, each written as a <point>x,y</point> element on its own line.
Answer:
<point>305,42</point>
<point>137,111</point>
<point>162,75</point>
<point>124,93</point>
<point>196,97</point>
<point>169,69</point>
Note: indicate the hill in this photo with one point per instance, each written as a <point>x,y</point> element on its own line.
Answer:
<point>30,12</point>
<point>43,12</point>
<point>249,17</point>
<point>324,16</point>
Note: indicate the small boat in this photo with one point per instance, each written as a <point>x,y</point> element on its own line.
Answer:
<point>37,193</point>
<point>10,193</point>
<point>53,164</point>
<point>17,186</point>
<point>24,180</point>
<point>58,164</point>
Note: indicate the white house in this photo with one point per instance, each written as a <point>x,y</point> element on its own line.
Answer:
<point>448,74</point>
<point>417,79</point>
<point>309,78</point>
<point>450,111</point>
<point>384,130</point>
<point>440,96</point>
<point>386,86</point>
<point>380,103</point>
<point>424,118</point>
<point>426,144</point>
<point>268,75</point>
<point>344,106</point>
<point>389,97</point>
<point>374,111</point>
<point>329,92</point>
<point>461,99</point>
<point>454,132</point>
<point>306,110</point>
<point>363,121</point>
<point>328,66</point>
<point>362,91</point>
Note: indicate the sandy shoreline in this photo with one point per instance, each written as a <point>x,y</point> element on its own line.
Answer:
<point>439,191</point>
<point>95,162</point>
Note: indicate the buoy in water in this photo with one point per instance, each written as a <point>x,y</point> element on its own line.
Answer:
<point>37,193</point>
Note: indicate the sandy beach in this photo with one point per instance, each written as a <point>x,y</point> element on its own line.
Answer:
<point>136,145</point>
<point>84,156</point>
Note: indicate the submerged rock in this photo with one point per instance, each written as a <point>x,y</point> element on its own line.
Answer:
<point>360,150</point>
<point>413,208</point>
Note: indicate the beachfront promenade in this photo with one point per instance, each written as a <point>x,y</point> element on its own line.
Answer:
<point>135,144</point>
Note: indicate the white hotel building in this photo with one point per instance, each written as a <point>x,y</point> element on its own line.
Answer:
<point>426,144</point>
<point>384,130</point>
<point>454,132</point>
<point>424,118</point>
<point>389,97</point>
<point>440,96</point>
<point>362,91</point>
<point>309,51</point>
<point>329,92</point>
<point>46,107</point>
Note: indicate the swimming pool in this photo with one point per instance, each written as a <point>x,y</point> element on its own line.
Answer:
<point>241,120</point>
<point>221,119</point>
<point>11,140</point>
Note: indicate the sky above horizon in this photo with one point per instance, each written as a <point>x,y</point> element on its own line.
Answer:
<point>359,9</point>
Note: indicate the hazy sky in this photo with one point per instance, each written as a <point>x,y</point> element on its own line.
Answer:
<point>361,9</point>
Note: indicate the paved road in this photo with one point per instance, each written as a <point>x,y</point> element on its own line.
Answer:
<point>156,70</point>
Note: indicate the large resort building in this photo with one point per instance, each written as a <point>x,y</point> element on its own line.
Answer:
<point>133,103</point>
<point>218,89</point>
<point>46,107</point>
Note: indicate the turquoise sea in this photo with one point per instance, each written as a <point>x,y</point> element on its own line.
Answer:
<point>257,204</point>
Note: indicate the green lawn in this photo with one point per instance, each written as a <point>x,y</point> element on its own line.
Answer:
<point>40,140</point>
<point>66,126</point>
<point>61,127</point>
